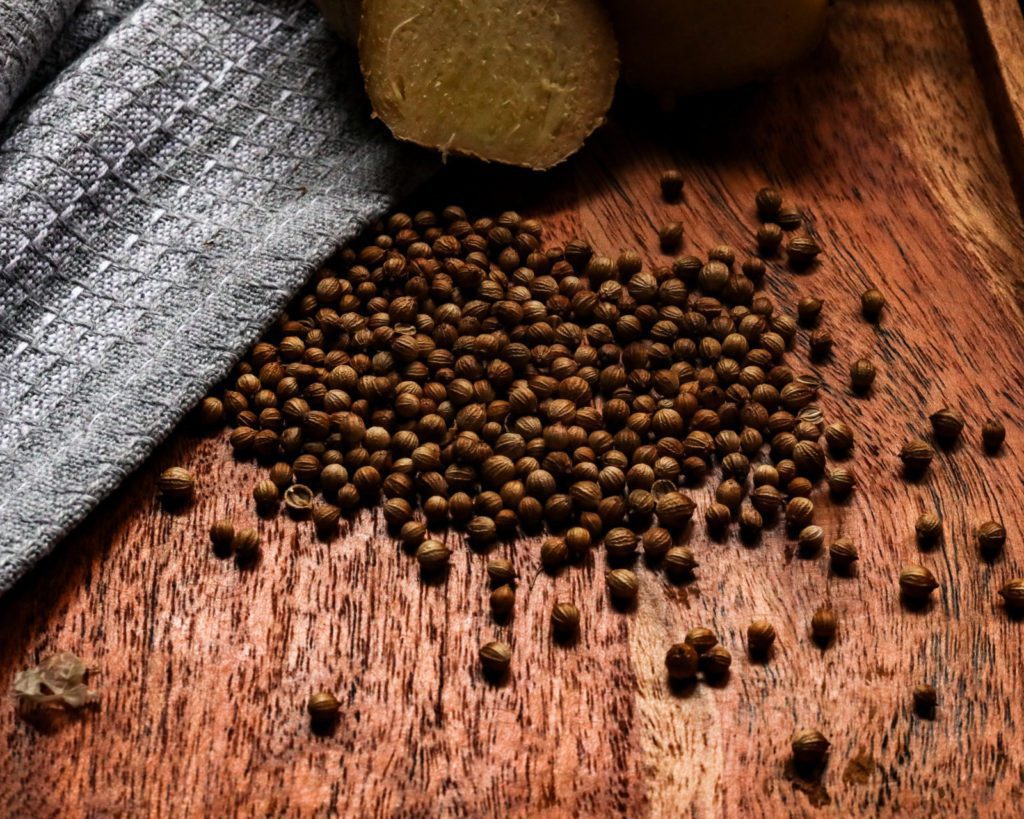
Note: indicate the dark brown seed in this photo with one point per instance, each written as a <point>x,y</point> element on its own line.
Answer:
<point>947,424</point>
<point>862,375</point>
<point>702,639</point>
<point>1013,595</point>
<point>222,533</point>
<point>681,662</point>
<point>925,700</point>
<point>843,554</point>
<point>323,707</point>
<point>670,237</point>
<point>176,484</point>
<point>839,438</point>
<point>991,537</point>
<point>501,571</point>
<point>802,251</point>
<point>760,638</point>
<point>495,658</point>
<point>769,238</point>
<point>809,746</point>
<point>824,625</point>
<point>671,185</point>
<point>808,309</point>
<point>716,662</point>
<point>917,583</point>
<point>502,600</point>
<point>811,539</point>
<point>565,619</point>
<point>623,585</point>
<point>788,218</point>
<point>799,512</point>
<point>993,433</point>
<point>841,481</point>
<point>768,201</point>
<point>916,456</point>
<point>871,304</point>
<point>928,529</point>
<point>679,562</point>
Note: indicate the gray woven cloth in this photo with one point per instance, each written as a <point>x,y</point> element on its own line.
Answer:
<point>161,198</point>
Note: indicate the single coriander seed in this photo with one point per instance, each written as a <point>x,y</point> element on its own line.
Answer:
<point>222,533</point>
<point>991,537</point>
<point>671,185</point>
<point>947,424</point>
<point>495,658</point>
<point>871,303</point>
<point>246,545</point>
<point>810,540</point>
<point>702,639</point>
<point>842,555</point>
<point>768,201</point>
<point>824,625</point>
<point>681,662</point>
<point>862,375</point>
<point>917,583</point>
<point>808,309</point>
<point>760,638</point>
<point>802,251</point>
<point>716,662</point>
<point>323,707</point>
<point>769,238</point>
<point>501,571</point>
<point>993,433</point>
<point>809,746</point>
<point>917,457</point>
<point>623,585</point>
<point>432,555</point>
<point>1013,596</point>
<point>788,218</point>
<point>670,237</point>
<point>679,563</point>
<point>928,529</point>
<point>265,493</point>
<point>565,620</point>
<point>176,484</point>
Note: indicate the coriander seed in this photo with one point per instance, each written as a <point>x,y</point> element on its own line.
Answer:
<point>716,662</point>
<point>760,638</point>
<point>769,238</point>
<point>810,540</point>
<point>917,583</point>
<point>842,555</point>
<point>768,201</point>
<point>501,571</point>
<point>623,585</point>
<point>925,700</point>
<point>839,438</point>
<point>670,237</point>
<point>176,484</point>
<point>671,185</point>
<point>823,626</point>
<point>495,658</point>
<point>432,555</point>
<point>502,599</point>
<point>947,424</point>
<point>298,499</point>
<point>928,529</point>
<point>808,309</point>
<point>799,513</point>
<point>788,218</point>
<point>750,523</point>
<point>325,517</point>
<point>246,545</point>
<point>554,553</point>
<point>680,563</point>
<point>820,343</point>
<point>222,533</point>
<point>681,662</point>
<point>802,251</point>
<point>871,304</point>
<point>565,620</point>
<point>862,375</point>
<point>991,536</point>
<point>809,746</point>
<point>323,708</point>
<point>917,457</point>
<point>718,517</point>
<point>993,433</point>
<point>1013,596</point>
<point>702,639</point>
<point>265,493</point>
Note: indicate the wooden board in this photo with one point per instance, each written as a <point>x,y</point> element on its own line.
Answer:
<point>996,31</point>
<point>885,141</point>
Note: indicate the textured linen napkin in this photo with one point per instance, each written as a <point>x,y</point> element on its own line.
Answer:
<point>171,171</point>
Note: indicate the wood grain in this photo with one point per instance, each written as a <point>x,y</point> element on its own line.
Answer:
<point>885,142</point>
<point>996,30</point>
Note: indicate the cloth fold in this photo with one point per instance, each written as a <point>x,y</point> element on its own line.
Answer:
<point>160,201</point>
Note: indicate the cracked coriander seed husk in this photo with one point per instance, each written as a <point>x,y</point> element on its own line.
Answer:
<point>843,554</point>
<point>1013,596</point>
<point>176,484</point>
<point>565,619</point>
<point>671,185</point>
<point>502,600</point>
<point>871,304</point>
<point>917,583</point>
<point>681,662</point>
<point>323,707</point>
<point>760,637</point>
<point>702,639</point>
<point>495,658</point>
<point>991,536</point>
<point>928,529</point>
<point>993,433</point>
<point>298,499</point>
<point>809,746</point>
<point>947,424</point>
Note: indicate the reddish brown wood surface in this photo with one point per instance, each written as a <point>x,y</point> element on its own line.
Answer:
<point>885,141</point>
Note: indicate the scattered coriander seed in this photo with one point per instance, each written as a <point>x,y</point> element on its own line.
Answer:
<point>325,517</point>
<point>947,424</point>
<point>993,433</point>
<point>671,185</point>
<point>862,375</point>
<point>716,661</point>
<point>839,438</point>
<point>495,658</point>
<point>809,746</point>
<point>656,542</point>
<point>265,493</point>
<point>432,555</point>
<point>808,309</point>
<point>323,707</point>
<point>222,533</point>
<point>767,499</point>
<point>211,412</point>
<point>769,238</point>
<point>768,201</point>
<point>810,540</point>
<point>802,251</point>
<point>823,625</point>
<point>928,529</point>
<point>751,523</point>
<point>298,499</point>
<point>843,554</point>
<point>820,343</point>
<point>679,563</point>
<point>501,571</point>
<point>702,639</point>
<point>413,533</point>
<point>788,218</point>
<point>681,662</point>
<point>502,599</point>
<point>554,553</point>
<point>1013,596</point>
<point>925,700</point>
<point>799,512</point>
<point>917,583</point>
<point>718,517</point>
<point>565,619</point>
<point>916,456</point>
<point>670,237</point>
<point>841,481</point>
<point>176,484</point>
<point>246,544</point>
<point>578,540</point>
<point>991,536</point>
<point>623,585</point>
<point>871,304</point>
<point>729,494</point>
<point>760,638</point>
